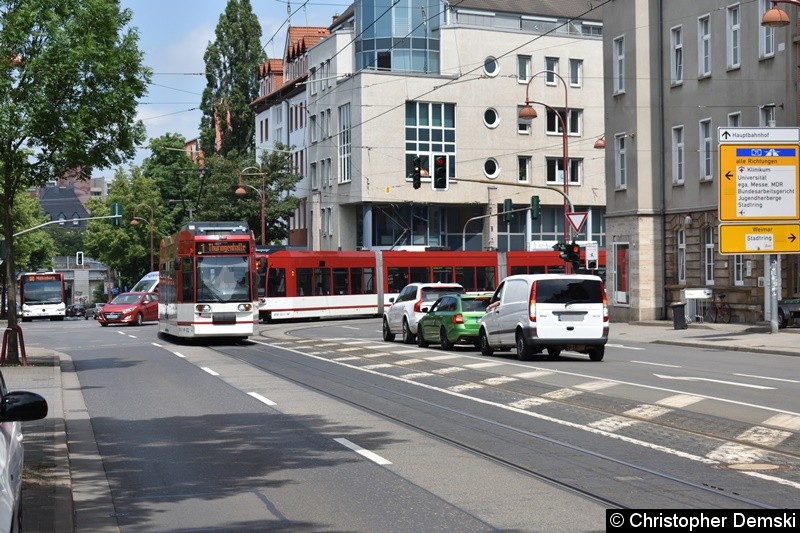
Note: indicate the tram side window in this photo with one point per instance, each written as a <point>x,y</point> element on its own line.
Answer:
<point>442,274</point>
<point>322,277</point>
<point>465,276</point>
<point>187,280</point>
<point>487,278</point>
<point>363,280</point>
<point>420,274</point>
<point>397,278</point>
<point>305,282</point>
<point>276,282</point>
<point>341,283</point>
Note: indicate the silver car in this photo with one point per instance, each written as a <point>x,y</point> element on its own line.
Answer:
<point>406,310</point>
<point>15,407</point>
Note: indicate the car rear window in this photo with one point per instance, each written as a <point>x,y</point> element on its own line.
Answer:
<point>562,291</point>
<point>473,305</point>
<point>434,293</point>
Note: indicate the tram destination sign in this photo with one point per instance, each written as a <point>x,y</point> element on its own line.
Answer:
<point>759,182</point>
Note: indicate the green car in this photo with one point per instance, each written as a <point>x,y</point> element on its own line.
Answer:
<point>452,319</point>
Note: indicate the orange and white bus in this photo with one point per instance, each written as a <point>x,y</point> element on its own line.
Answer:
<point>206,281</point>
<point>41,295</point>
<point>297,284</point>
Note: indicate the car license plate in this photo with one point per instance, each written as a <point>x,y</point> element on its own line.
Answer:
<point>112,316</point>
<point>477,320</point>
<point>570,318</point>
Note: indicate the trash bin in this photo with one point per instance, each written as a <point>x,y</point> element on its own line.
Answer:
<point>679,315</point>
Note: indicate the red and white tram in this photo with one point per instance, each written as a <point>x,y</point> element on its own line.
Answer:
<point>206,281</point>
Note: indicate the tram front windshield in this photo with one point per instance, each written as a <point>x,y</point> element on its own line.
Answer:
<point>223,279</point>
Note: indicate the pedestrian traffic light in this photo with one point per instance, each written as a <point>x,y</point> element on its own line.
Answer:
<point>416,177</point>
<point>79,258</point>
<point>535,208</point>
<point>440,181</point>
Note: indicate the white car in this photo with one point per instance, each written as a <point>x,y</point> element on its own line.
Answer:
<point>406,310</point>
<point>15,407</point>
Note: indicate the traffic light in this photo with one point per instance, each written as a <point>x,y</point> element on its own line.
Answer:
<point>535,208</point>
<point>116,212</point>
<point>508,205</point>
<point>416,177</point>
<point>440,181</point>
<point>79,258</point>
<point>574,252</point>
<point>561,248</point>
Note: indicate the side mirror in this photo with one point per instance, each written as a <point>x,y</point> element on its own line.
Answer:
<point>391,300</point>
<point>425,309</point>
<point>21,406</point>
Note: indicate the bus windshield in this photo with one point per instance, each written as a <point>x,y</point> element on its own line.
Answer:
<point>223,279</point>
<point>42,292</point>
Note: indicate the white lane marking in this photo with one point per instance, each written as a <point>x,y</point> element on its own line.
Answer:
<point>379,365</point>
<point>647,412</point>
<point>566,423</point>
<point>735,453</point>
<point>529,402</point>
<point>415,375</point>
<point>442,357</point>
<point>482,365</point>
<point>499,380</point>
<point>403,352</point>
<point>351,349</point>
<point>409,362</point>
<point>691,378</point>
<point>121,332</point>
<point>596,385</point>
<point>448,370</point>
<point>761,436</point>
<point>349,327</point>
<point>205,368</point>
<point>655,364</point>
<point>179,354</point>
<point>374,457</point>
<point>561,394</point>
<point>785,421</point>
<point>157,345</point>
<point>679,400</point>
<point>613,423</point>
<point>261,399</point>
<point>542,372</point>
<point>767,377</point>
<point>132,336</point>
<point>346,358</point>
<point>624,347</point>
<point>465,386</point>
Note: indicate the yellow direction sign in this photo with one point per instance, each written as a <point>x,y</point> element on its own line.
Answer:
<point>759,239</point>
<point>759,182</point>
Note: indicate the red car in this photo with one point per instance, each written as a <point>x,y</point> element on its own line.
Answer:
<point>130,308</point>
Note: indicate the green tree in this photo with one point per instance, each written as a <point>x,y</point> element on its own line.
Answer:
<point>126,248</point>
<point>232,61</point>
<point>274,171</point>
<point>71,74</point>
<point>175,174</point>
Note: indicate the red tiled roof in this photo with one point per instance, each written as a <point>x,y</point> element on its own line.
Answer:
<point>301,38</point>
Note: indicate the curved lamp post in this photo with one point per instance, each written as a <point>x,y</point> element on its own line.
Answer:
<point>528,113</point>
<point>240,191</point>
<point>776,17</point>
<point>135,222</point>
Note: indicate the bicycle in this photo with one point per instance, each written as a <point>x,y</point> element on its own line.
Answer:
<point>720,310</point>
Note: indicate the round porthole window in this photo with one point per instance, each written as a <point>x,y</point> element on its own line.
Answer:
<point>491,118</point>
<point>490,66</point>
<point>491,169</point>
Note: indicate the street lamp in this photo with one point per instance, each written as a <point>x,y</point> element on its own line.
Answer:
<point>240,191</point>
<point>776,17</point>
<point>135,222</point>
<point>528,113</point>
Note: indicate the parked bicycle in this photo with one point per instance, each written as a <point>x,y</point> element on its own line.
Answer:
<point>720,310</point>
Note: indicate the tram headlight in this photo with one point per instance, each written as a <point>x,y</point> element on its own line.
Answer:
<point>245,307</point>
<point>202,308</point>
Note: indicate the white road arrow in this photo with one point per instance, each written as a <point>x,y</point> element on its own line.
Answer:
<point>689,378</point>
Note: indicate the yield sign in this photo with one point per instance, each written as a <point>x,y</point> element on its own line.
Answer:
<point>576,220</point>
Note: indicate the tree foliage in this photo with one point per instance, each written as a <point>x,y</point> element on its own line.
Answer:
<point>71,74</point>
<point>232,62</point>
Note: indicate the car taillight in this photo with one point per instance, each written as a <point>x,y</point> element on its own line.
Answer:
<point>458,319</point>
<point>418,306</point>
<point>532,309</point>
<point>605,302</point>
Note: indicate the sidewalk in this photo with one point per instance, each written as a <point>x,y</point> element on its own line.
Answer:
<point>49,503</point>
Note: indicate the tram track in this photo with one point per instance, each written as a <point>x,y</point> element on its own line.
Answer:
<point>347,388</point>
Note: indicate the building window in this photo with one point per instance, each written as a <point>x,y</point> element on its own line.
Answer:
<point>491,168</point>
<point>619,65</point>
<point>523,68</point>
<point>555,171</point>
<point>706,153</point>
<point>431,130</point>
<point>575,72</point>
<point>704,46</point>
<point>312,127</point>
<point>708,254</point>
<point>678,156</point>
<point>345,145</point>
<point>767,115</point>
<point>766,35</point>
<point>523,126</point>
<point>524,165</point>
<point>551,65</point>
<point>677,55</point>
<point>328,173</point>
<point>491,119</point>
<point>735,119</point>
<point>312,171</point>
<point>680,238</point>
<point>553,123</point>
<point>738,270</point>
<point>491,67</point>
<point>734,37</point>
<point>621,274</point>
<point>621,162</point>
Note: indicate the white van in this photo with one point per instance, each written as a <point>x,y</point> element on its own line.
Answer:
<point>552,312</point>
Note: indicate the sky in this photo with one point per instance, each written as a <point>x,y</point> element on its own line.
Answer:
<point>174,34</point>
